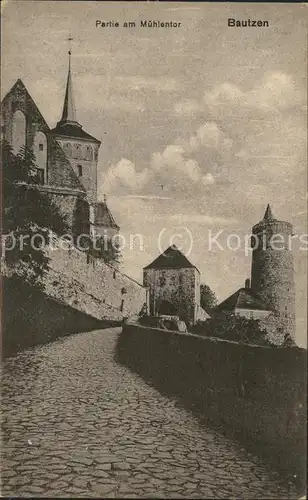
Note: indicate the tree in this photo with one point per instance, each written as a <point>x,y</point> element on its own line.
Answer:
<point>208,299</point>
<point>28,214</point>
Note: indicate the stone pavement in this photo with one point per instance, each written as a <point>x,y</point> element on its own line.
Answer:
<point>78,424</point>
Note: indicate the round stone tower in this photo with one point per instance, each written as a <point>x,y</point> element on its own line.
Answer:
<point>272,270</point>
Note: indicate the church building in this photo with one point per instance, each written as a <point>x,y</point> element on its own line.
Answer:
<point>66,158</point>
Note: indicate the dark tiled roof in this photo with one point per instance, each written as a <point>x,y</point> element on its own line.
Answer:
<point>172,258</point>
<point>70,130</point>
<point>103,216</point>
<point>268,213</point>
<point>242,299</point>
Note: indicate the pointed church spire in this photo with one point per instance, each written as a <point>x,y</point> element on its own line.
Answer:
<point>69,109</point>
<point>268,213</point>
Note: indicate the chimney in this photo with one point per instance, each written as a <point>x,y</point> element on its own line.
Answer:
<point>247,283</point>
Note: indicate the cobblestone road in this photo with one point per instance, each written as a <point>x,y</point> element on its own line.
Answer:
<point>77,424</point>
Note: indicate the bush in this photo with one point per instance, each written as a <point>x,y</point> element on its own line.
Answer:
<point>235,328</point>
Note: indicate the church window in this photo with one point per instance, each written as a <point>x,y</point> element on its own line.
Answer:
<point>40,152</point>
<point>76,151</point>
<point>162,280</point>
<point>79,170</point>
<point>67,148</point>
<point>18,131</point>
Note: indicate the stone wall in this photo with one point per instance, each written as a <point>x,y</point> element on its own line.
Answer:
<point>30,317</point>
<point>87,284</point>
<point>92,285</point>
<point>255,394</point>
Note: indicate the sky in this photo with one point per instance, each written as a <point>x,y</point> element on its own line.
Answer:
<point>201,125</point>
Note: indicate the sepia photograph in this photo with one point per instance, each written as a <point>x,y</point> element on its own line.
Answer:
<point>153,249</point>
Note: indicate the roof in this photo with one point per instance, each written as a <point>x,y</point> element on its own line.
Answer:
<point>103,216</point>
<point>268,213</point>
<point>68,126</point>
<point>72,130</point>
<point>242,299</point>
<point>171,258</point>
<point>69,109</point>
<point>269,220</point>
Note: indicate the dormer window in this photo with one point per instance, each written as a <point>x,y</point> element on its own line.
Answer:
<point>41,147</point>
<point>79,167</point>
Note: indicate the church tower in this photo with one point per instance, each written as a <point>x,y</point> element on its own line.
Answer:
<point>80,148</point>
<point>272,272</point>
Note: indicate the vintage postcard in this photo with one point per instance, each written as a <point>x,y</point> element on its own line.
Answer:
<point>154,249</point>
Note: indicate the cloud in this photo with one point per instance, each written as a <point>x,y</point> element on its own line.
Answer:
<point>207,135</point>
<point>171,167</point>
<point>124,174</point>
<point>172,163</point>
<point>276,91</point>
<point>241,147</point>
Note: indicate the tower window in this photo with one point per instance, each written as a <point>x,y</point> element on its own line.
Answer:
<point>79,170</point>
<point>41,147</point>
<point>88,153</point>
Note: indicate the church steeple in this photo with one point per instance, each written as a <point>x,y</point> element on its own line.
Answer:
<point>79,147</point>
<point>69,109</point>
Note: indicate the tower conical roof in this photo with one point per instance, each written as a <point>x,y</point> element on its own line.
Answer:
<point>269,220</point>
<point>268,213</point>
<point>69,109</point>
<point>68,126</point>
